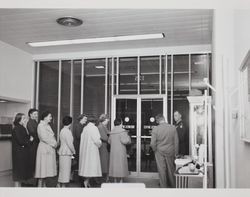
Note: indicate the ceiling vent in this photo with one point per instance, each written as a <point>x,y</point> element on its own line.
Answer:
<point>69,21</point>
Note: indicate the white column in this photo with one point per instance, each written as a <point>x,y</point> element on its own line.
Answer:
<point>223,57</point>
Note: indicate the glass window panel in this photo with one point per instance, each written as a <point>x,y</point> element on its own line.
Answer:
<point>169,87</point>
<point>48,89</point>
<point>149,109</point>
<point>181,72</point>
<point>35,84</point>
<point>199,70</point>
<point>181,81</point>
<point>181,105</point>
<point>126,110</point>
<point>128,75</point>
<point>115,76</point>
<point>65,89</point>
<point>210,69</point>
<point>163,71</point>
<point>94,87</point>
<point>109,88</point>
<point>77,70</point>
<point>149,75</point>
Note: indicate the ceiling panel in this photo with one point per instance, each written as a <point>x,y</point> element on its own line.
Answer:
<point>181,27</point>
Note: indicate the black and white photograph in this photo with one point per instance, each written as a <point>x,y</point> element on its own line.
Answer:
<point>103,98</point>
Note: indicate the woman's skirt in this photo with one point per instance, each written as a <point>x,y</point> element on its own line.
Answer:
<point>64,168</point>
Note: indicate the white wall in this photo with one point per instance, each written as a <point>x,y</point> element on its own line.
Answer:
<point>230,45</point>
<point>242,149</point>
<point>15,84</point>
<point>15,73</point>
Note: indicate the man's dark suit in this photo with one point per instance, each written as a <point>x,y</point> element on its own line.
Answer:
<point>165,144</point>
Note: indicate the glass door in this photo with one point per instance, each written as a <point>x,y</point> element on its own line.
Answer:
<point>126,109</point>
<point>149,109</point>
<point>138,116</point>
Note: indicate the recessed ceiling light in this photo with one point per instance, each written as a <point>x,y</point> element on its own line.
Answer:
<point>97,40</point>
<point>99,67</point>
<point>69,21</point>
<point>3,101</point>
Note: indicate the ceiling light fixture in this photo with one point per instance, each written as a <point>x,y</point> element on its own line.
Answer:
<point>99,67</point>
<point>3,101</point>
<point>97,40</point>
<point>69,21</point>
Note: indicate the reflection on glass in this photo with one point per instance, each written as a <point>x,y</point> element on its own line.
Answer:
<point>77,70</point>
<point>126,110</point>
<point>65,89</point>
<point>149,75</point>
<point>149,109</point>
<point>94,87</point>
<point>128,75</point>
<point>48,89</point>
<point>199,68</point>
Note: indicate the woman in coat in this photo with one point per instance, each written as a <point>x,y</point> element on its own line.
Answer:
<point>89,158</point>
<point>46,153</point>
<point>103,150</point>
<point>32,129</point>
<point>118,140</point>
<point>65,152</point>
<point>21,142</point>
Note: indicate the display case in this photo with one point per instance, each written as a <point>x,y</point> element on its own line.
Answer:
<point>198,122</point>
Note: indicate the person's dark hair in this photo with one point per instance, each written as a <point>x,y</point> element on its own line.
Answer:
<point>159,117</point>
<point>31,111</point>
<point>67,120</point>
<point>117,121</point>
<point>81,116</point>
<point>103,117</point>
<point>18,118</point>
<point>92,119</point>
<point>45,114</point>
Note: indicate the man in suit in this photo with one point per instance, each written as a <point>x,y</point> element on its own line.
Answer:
<point>165,144</point>
<point>182,133</point>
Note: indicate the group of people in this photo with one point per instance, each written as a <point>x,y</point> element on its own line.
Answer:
<point>97,151</point>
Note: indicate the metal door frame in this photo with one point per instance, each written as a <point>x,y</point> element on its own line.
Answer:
<point>139,99</point>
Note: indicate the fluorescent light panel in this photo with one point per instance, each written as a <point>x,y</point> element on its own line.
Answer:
<point>97,40</point>
<point>99,67</point>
